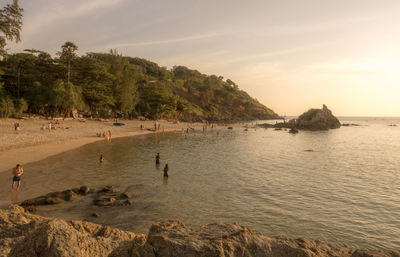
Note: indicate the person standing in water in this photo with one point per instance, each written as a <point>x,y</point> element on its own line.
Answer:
<point>158,159</point>
<point>17,172</point>
<point>101,158</point>
<point>166,170</point>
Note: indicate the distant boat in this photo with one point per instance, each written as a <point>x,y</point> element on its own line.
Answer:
<point>118,124</point>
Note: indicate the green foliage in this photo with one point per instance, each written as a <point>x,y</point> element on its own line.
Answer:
<point>20,105</point>
<point>65,97</point>
<point>68,52</point>
<point>6,104</point>
<point>308,115</point>
<point>10,24</point>
<point>109,84</point>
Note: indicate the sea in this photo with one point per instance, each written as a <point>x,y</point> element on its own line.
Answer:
<point>341,185</point>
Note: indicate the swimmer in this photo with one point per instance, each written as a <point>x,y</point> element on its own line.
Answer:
<point>158,159</point>
<point>166,170</point>
<point>17,172</point>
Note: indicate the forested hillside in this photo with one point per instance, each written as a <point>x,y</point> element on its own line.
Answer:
<point>112,85</point>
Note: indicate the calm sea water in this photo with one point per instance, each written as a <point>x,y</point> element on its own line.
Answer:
<point>340,185</point>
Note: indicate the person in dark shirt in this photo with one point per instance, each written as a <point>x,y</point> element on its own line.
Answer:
<point>158,158</point>
<point>166,170</point>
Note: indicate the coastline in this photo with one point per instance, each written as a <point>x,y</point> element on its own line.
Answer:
<point>31,144</point>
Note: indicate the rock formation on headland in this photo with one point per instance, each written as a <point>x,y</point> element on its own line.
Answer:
<point>26,235</point>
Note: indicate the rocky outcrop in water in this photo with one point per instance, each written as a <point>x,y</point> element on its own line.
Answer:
<point>105,197</point>
<point>109,196</point>
<point>313,119</point>
<point>56,197</point>
<point>24,234</point>
<point>317,119</point>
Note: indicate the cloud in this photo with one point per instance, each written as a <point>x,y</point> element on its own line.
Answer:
<point>165,41</point>
<point>60,11</point>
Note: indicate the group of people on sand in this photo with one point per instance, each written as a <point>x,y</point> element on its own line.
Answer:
<point>104,134</point>
<point>50,126</point>
<point>158,158</point>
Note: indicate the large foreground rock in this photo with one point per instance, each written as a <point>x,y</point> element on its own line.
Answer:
<point>317,119</point>
<point>173,238</point>
<point>26,235</point>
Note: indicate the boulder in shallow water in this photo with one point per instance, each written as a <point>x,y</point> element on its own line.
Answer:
<point>109,197</point>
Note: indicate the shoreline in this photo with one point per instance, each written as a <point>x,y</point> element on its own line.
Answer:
<point>39,145</point>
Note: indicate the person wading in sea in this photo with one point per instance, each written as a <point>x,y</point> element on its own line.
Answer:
<point>166,170</point>
<point>17,172</point>
<point>158,159</point>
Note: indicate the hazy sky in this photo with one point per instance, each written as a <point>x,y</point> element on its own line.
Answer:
<point>290,55</point>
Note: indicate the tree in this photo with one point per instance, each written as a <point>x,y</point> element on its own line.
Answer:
<point>65,97</point>
<point>68,52</point>
<point>10,24</point>
<point>6,104</point>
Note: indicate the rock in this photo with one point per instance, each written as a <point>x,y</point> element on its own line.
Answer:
<point>30,208</point>
<point>84,190</point>
<point>317,119</point>
<point>173,238</point>
<point>61,238</point>
<point>107,189</point>
<point>53,200</point>
<point>128,202</point>
<point>54,197</point>
<point>69,195</point>
<point>125,195</point>
<point>109,197</point>
<point>24,234</point>
<point>293,131</point>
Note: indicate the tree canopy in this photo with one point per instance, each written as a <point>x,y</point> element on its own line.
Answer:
<point>10,24</point>
<point>109,85</point>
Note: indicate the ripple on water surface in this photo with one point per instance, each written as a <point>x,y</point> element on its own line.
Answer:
<point>345,190</point>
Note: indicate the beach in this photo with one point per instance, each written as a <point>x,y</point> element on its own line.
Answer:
<point>31,143</point>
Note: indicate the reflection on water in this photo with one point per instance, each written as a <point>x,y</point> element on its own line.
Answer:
<point>339,185</point>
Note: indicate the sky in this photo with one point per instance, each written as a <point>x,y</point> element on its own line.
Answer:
<point>290,55</point>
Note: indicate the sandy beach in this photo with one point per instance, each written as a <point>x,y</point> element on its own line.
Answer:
<point>31,143</point>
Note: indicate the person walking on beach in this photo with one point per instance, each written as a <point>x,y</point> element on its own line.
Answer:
<point>158,159</point>
<point>166,170</point>
<point>17,172</point>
